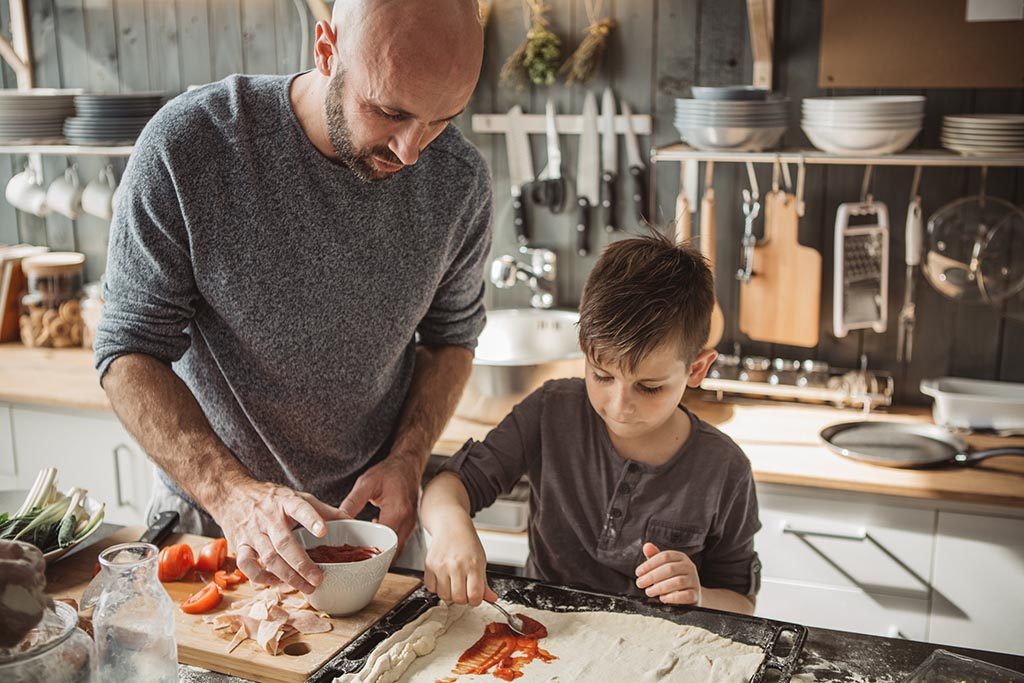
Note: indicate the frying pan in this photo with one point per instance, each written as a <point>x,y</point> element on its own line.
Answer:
<point>904,444</point>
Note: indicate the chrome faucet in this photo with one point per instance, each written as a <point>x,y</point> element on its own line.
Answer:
<point>539,274</point>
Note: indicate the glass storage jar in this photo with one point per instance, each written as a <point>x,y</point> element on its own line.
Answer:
<point>51,314</point>
<point>134,618</point>
<point>92,309</point>
<point>56,651</point>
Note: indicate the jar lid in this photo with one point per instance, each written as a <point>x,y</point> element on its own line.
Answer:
<point>53,263</point>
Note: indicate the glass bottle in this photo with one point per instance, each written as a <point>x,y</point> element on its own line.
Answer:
<point>134,618</point>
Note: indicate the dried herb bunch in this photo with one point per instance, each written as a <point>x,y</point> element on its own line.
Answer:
<point>584,60</point>
<point>537,57</point>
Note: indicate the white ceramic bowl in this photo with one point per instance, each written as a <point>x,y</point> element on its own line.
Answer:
<point>741,139</point>
<point>865,142</point>
<point>350,586</point>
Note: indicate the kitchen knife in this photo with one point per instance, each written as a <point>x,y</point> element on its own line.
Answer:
<point>158,532</point>
<point>636,166</point>
<point>520,169</point>
<point>588,175</point>
<point>549,191</point>
<point>609,158</point>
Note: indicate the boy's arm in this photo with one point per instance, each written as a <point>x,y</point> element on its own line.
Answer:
<point>727,600</point>
<point>731,570</point>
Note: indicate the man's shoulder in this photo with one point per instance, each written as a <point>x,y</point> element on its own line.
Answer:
<point>216,115</point>
<point>452,149</point>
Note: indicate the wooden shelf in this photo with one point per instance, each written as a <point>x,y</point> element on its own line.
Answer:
<point>936,157</point>
<point>69,150</point>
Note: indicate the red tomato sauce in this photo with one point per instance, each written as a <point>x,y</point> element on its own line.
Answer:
<point>502,652</point>
<point>341,553</point>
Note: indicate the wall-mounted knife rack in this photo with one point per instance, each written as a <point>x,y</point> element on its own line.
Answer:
<point>566,124</point>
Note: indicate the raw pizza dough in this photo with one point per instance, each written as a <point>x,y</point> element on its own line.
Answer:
<point>590,646</point>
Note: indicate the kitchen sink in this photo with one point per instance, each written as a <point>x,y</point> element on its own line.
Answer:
<point>519,350</point>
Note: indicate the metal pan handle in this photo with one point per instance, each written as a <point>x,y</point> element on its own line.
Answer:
<point>971,458</point>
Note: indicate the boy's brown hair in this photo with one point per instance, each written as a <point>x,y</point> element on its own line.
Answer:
<point>644,292</point>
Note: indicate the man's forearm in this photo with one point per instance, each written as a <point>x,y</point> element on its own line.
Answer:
<point>440,376</point>
<point>159,410</point>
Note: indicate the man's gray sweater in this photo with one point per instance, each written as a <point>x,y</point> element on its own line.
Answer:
<point>287,293</point>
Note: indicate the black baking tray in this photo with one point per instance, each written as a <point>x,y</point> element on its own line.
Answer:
<point>781,642</point>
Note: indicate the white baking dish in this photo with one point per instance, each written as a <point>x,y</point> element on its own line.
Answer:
<point>976,404</point>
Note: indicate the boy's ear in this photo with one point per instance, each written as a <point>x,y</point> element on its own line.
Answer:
<point>699,368</point>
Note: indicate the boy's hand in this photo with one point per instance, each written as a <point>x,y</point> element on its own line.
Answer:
<point>456,568</point>
<point>669,575</point>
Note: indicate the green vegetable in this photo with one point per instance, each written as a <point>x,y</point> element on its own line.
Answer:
<point>49,519</point>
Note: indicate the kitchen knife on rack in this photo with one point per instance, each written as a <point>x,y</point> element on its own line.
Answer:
<point>637,169</point>
<point>520,170</point>
<point>549,191</point>
<point>609,159</point>
<point>588,174</point>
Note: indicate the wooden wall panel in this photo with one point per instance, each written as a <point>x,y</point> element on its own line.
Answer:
<point>659,49</point>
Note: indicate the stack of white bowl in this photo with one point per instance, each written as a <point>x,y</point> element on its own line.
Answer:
<point>984,133</point>
<point>864,126</point>
<point>730,123</point>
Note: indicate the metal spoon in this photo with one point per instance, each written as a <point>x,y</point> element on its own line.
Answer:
<point>514,622</point>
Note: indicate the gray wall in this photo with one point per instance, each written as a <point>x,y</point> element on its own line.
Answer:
<point>660,48</point>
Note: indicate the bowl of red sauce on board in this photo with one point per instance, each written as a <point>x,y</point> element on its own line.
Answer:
<point>354,556</point>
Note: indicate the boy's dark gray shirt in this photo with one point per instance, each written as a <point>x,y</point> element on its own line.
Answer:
<point>591,510</point>
<point>287,292</point>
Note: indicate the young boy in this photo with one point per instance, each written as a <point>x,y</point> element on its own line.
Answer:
<point>630,493</point>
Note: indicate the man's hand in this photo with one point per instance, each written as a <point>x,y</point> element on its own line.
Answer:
<point>393,485</point>
<point>257,519</point>
<point>670,576</point>
<point>22,585</point>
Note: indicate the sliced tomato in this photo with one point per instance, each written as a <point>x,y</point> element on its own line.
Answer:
<point>212,556</point>
<point>203,601</point>
<point>228,579</point>
<point>175,562</point>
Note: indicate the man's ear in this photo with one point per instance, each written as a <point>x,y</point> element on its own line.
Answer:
<point>325,54</point>
<point>699,368</point>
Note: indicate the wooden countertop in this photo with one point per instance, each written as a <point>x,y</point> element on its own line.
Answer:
<point>780,439</point>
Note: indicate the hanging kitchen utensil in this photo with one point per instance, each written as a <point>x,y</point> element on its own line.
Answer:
<point>588,174</point>
<point>860,287</point>
<point>707,247</point>
<point>609,159</point>
<point>683,220</point>
<point>751,210</point>
<point>904,444</point>
<point>780,302</point>
<point>550,190</point>
<point>536,59</point>
<point>974,248</point>
<point>520,170</point>
<point>914,241</point>
<point>583,62</point>
<point>637,169</point>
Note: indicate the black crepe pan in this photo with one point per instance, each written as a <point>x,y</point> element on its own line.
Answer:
<point>904,444</point>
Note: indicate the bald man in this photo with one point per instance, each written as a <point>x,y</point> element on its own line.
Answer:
<point>294,284</point>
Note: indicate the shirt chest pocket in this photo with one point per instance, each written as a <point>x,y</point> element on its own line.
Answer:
<point>670,536</point>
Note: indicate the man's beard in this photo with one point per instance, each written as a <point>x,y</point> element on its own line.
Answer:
<point>358,160</point>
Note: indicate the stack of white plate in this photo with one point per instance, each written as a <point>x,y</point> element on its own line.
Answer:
<point>34,116</point>
<point>863,125</point>
<point>983,133</point>
<point>737,125</point>
<point>111,119</point>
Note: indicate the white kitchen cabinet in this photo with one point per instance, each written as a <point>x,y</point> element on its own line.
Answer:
<point>979,583</point>
<point>843,609</point>
<point>8,467</point>
<point>91,451</point>
<point>851,544</point>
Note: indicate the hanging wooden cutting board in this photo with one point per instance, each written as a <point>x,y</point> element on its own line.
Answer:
<point>781,303</point>
<point>707,247</point>
<point>199,645</point>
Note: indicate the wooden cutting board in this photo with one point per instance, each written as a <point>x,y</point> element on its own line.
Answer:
<point>707,247</point>
<point>782,301</point>
<point>199,645</point>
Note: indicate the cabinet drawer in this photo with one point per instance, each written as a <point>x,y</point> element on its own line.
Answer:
<point>873,548</point>
<point>843,609</point>
<point>93,452</point>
